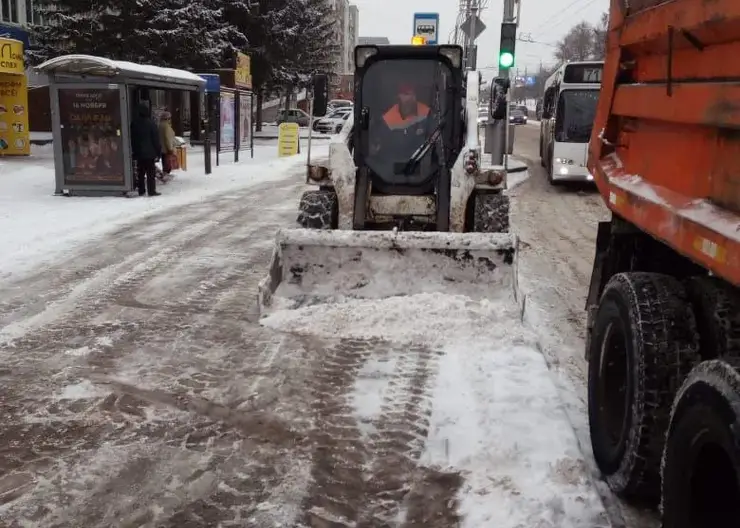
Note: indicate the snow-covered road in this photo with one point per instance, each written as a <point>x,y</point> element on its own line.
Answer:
<point>139,387</point>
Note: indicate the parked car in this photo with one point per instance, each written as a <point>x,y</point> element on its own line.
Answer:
<point>333,123</point>
<point>339,112</point>
<point>335,104</point>
<point>294,115</point>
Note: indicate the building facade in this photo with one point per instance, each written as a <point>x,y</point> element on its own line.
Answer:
<point>15,15</point>
<point>351,38</point>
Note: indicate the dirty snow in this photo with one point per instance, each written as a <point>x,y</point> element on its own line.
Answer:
<point>495,413</point>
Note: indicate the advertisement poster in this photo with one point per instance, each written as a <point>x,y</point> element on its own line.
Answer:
<point>15,138</point>
<point>245,118</point>
<point>243,72</point>
<point>92,145</point>
<point>227,121</point>
<point>288,139</point>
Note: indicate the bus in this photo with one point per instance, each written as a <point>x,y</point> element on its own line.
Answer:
<point>568,112</point>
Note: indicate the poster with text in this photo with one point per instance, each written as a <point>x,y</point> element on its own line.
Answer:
<point>15,138</point>
<point>245,121</point>
<point>92,144</point>
<point>227,125</point>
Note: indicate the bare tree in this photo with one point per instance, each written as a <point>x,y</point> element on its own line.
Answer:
<point>600,31</point>
<point>577,45</point>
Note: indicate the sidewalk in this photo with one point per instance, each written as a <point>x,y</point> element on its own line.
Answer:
<point>35,225</point>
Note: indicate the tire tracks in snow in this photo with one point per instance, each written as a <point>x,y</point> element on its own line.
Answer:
<point>375,480</point>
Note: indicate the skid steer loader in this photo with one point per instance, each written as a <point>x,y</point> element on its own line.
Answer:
<point>404,193</point>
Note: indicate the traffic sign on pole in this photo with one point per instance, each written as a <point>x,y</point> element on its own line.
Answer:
<point>480,27</point>
<point>426,25</point>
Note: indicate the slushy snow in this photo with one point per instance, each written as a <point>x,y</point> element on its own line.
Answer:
<point>496,414</point>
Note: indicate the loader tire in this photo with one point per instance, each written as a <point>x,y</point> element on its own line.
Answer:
<point>701,462</point>
<point>318,210</point>
<point>643,345</point>
<point>491,213</point>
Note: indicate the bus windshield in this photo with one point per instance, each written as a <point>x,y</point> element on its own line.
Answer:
<point>575,115</point>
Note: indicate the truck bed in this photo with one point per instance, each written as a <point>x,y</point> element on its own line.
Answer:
<point>665,150</point>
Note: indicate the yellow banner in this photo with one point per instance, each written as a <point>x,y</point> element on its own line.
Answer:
<point>11,56</point>
<point>15,139</point>
<point>243,73</point>
<point>288,137</point>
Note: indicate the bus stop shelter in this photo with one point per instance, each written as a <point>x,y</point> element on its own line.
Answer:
<point>92,103</point>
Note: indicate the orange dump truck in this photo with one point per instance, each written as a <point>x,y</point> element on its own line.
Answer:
<point>663,304</point>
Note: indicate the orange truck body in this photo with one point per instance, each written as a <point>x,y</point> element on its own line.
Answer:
<point>665,148</point>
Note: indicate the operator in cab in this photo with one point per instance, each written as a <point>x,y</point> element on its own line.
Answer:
<point>405,124</point>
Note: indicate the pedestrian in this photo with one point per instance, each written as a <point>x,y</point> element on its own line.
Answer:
<point>167,140</point>
<point>146,149</point>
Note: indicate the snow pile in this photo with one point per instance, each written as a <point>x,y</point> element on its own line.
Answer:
<point>495,412</point>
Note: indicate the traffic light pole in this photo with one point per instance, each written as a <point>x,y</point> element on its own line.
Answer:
<point>501,127</point>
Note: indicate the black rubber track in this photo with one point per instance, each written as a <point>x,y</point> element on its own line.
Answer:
<point>646,328</point>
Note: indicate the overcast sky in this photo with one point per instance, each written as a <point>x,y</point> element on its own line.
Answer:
<point>546,20</point>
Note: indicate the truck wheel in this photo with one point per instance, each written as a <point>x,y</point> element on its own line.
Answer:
<point>491,213</point>
<point>318,210</point>
<point>643,345</point>
<point>701,463</point>
<point>717,309</point>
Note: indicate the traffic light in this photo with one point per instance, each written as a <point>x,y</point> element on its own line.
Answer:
<point>508,44</point>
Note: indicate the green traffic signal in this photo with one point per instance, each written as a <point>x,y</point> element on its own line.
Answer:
<point>506,60</point>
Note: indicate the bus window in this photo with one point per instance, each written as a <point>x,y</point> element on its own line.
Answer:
<point>575,115</point>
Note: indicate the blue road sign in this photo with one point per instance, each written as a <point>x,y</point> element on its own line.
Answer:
<point>427,25</point>
<point>530,81</point>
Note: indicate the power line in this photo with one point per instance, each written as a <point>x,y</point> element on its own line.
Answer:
<point>560,13</point>
<point>582,9</point>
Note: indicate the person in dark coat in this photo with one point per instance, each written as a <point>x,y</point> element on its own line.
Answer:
<point>146,149</point>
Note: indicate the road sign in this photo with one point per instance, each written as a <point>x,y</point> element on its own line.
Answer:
<point>427,25</point>
<point>480,27</point>
<point>530,81</point>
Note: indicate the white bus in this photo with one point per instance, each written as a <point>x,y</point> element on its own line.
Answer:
<point>568,112</point>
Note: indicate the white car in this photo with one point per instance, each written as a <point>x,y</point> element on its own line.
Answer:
<point>336,104</point>
<point>333,122</point>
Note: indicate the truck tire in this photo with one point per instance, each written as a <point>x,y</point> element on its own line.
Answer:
<point>318,210</point>
<point>644,332</point>
<point>717,309</point>
<point>701,462</point>
<point>491,213</point>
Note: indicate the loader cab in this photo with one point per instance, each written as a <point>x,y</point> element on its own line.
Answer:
<point>408,99</point>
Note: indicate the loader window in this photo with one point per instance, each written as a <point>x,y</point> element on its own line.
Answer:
<point>575,115</point>
<point>406,100</point>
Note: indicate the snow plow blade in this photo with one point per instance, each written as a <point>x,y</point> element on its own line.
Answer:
<point>315,266</point>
